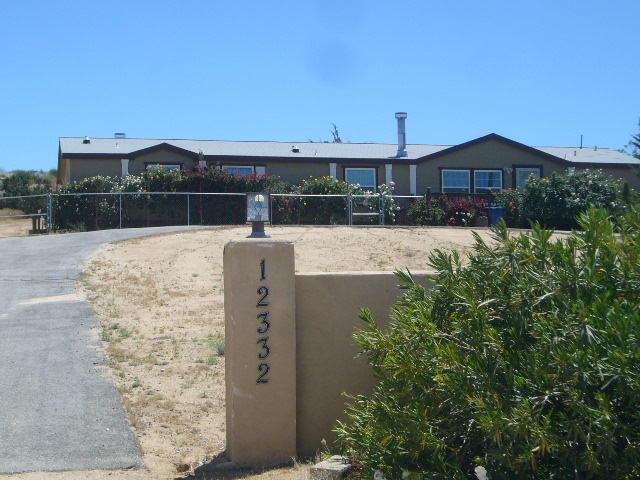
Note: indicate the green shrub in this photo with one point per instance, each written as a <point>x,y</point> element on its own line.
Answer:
<point>25,183</point>
<point>139,209</point>
<point>315,210</point>
<point>557,200</point>
<point>511,201</point>
<point>422,212</point>
<point>525,361</point>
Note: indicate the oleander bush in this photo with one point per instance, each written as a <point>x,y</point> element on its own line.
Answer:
<point>525,361</point>
<point>446,209</point>
<point>557,200</point>
<point>423,212</point>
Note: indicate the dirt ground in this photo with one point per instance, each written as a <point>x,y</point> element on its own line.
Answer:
<point>13,227</point>
<point>160,303</point>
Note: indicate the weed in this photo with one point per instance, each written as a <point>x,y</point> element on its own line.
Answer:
<point>216,343</point>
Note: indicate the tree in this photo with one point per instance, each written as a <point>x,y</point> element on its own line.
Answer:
<point>335,134</point>
<point>634,144</point>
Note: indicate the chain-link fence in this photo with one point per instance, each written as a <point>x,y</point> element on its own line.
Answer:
<point>98,211</point>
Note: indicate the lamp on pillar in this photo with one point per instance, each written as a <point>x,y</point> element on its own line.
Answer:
<point>258,213</point>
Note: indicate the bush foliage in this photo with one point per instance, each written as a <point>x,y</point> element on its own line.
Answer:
<point>557,200</point>
<point>451,210</point>
<point>103,211</point>
<point>525,361</point>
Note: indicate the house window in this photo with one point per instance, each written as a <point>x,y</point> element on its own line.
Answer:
<point>239,170</point>
<point>167,167</point>
<point>456,181</point>
<point>523,173</point>
<point>364,177</point>
<point>487,181</point>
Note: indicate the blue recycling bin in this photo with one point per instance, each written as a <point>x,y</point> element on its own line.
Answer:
<point>495,214</point>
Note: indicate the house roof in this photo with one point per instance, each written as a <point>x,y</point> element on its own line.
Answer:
<point>114,147</point>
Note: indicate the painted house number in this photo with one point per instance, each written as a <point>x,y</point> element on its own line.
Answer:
<point>264,325</point>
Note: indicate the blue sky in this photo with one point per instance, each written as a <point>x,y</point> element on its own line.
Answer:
<point>540,72</point>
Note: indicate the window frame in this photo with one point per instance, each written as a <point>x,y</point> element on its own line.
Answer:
<point>525,167</point>
<point>442,172</point>
<point>375,177</point>
<point>487,189</point>
<point>152,165</point>
<point>252,167</point>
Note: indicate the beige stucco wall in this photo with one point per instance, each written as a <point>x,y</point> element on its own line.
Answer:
<point>312,357</point>
<point>328,365</point>
<point>260,402</point>
<point>83,168</point>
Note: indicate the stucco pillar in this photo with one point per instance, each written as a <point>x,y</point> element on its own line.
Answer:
<point>388,173</point>
<point>260,355</point>
<point>412,179</point>
<point>124,164</point>
<point>333,167</point>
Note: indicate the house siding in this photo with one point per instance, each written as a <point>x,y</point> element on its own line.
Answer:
<point>400,176</point>
<point>625,173</point>
<point>295,172</point>
<point>491,154</point>
<point>80,169</point>
<point>139,164</point>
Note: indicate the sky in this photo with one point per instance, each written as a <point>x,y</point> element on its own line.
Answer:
<point>540,72</point>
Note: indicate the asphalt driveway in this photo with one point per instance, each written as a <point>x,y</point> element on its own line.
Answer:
<point>58,410</point>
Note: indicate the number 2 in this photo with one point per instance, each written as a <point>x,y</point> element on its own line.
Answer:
<point>264,291</point>
<point>263,368</point>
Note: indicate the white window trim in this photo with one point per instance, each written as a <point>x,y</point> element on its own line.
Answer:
<point>483,189</point>
<point>536,170</point>
<point>252,167</point>
<point>413,185</point>
<point>333,169</point>
<point>375,176</point>
<point>442,172</point>
<point>388,173</point>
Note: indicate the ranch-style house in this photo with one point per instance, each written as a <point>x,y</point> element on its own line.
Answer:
<point>488,163</point>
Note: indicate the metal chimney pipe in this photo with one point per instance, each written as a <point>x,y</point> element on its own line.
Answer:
<point>402,134</point>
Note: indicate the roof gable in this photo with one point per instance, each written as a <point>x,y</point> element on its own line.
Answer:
<point>163,146</point>
<point>497,138</point>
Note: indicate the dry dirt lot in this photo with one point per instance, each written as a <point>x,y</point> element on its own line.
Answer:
<point>160,303</point>
<point>13,227</point>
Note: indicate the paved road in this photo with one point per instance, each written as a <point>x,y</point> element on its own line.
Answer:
<point>58,411</point>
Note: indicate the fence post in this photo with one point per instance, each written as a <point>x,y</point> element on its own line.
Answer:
<point>349,209</point>
<point>120,210</point>
<point>188,210</point>
<point>381,209</point>
<point>49,211</point>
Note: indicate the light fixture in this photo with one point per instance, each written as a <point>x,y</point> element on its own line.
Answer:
<point>508,170</point>
<point>258,213</point>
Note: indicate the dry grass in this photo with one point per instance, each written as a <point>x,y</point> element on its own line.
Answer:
<point>160,303</point>
<point>13,227</point>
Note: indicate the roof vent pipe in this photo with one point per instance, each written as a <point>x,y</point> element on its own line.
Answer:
<point>402,134</point>
<point>86,140</point>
